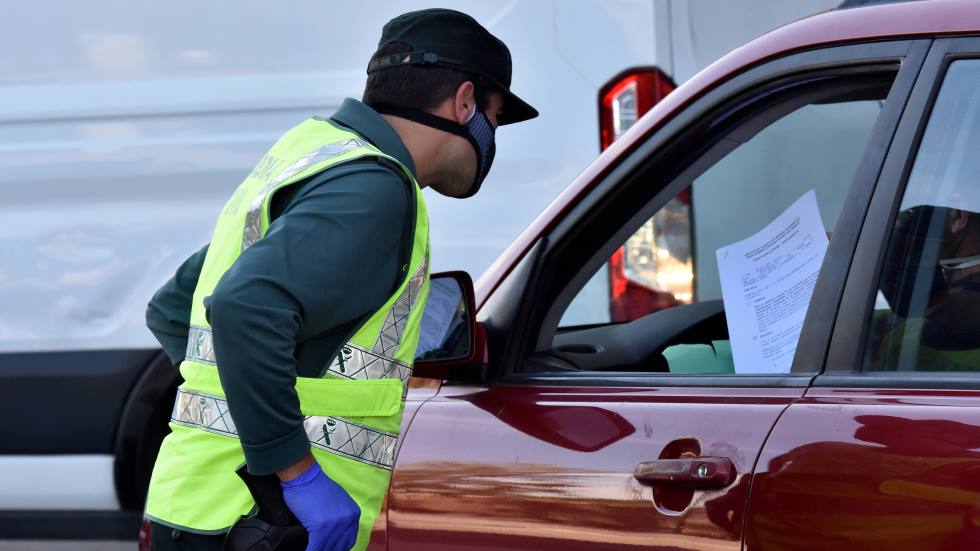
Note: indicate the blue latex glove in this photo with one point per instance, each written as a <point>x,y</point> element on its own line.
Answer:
<point>324,508</point>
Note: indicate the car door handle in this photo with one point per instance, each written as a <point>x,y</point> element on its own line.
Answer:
<point>700,473</point>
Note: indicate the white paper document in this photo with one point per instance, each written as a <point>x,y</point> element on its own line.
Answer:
<point>766,284</point>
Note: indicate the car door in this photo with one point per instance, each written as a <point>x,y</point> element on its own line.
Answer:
<point>884,450</point>
<point>586,434</point>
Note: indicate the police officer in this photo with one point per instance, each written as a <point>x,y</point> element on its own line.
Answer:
<point>296,327</point>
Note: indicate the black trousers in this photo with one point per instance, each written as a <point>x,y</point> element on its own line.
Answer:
<point>165,538</point>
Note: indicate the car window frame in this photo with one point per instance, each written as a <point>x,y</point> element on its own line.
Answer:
<point>524,339</point>
<point>846,354</point>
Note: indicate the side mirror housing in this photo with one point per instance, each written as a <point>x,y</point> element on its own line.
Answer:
<point>450,335</point>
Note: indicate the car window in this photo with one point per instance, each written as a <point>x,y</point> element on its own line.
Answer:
<point>925,316</point>
<point>670,262</point>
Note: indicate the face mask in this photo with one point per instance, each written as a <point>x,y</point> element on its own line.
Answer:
<point>478,130</point>
<point>480,133</point>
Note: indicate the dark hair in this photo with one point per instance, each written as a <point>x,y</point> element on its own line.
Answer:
<point>417,86</point>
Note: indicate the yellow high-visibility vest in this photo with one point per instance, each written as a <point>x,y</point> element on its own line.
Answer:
<point>353,413</point>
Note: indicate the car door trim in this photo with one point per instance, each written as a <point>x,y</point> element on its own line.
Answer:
<point>630,379</point>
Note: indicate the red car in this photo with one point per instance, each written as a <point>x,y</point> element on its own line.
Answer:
<point>566,427</point>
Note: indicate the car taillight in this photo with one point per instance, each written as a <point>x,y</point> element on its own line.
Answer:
<point>144,538</point>
<point>626,98</point>
<point>653,270</point>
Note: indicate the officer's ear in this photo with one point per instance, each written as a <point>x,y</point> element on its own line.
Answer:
<point>464,102</point>
<point>960,219</point>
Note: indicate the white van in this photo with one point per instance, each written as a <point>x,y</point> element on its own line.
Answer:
<point>125,125</point>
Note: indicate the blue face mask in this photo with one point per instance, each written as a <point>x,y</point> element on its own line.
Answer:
<point>478,130</point>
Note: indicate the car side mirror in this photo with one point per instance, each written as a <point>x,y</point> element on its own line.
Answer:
<point>450,335</point>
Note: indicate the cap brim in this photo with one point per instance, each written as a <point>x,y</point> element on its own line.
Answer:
<point>515,110</point>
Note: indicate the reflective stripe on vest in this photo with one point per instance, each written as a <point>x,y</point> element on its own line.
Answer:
<point>329,433</point>
<point>200,347</point>
<point>253,220</point>
<point>353,362</point>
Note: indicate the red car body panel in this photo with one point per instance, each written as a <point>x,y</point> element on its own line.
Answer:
<point>859,469</point>
<point>923,18</point>
<point>552,468</point>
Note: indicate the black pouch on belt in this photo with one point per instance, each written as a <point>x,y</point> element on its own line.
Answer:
<point>273,527</point>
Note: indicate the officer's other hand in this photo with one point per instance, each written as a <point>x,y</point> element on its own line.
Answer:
<point>324,508</point>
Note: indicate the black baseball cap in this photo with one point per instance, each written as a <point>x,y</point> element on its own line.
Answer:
<point>448,38</point>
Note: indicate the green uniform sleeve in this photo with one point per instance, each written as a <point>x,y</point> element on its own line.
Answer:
<point>169,312</point>
<point>327,261</point>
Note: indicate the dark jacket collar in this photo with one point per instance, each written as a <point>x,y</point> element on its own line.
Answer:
<point>368,123</point>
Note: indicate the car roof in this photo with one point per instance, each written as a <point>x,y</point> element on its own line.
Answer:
<point>920,18</point>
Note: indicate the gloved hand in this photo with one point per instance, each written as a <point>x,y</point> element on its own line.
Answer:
<point>324,508</point>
